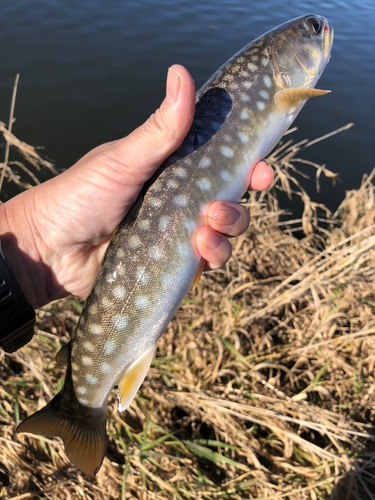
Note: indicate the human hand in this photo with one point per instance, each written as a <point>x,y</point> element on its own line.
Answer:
<point>57,232</point>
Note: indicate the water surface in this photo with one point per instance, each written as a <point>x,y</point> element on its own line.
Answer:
<point>92,71</point>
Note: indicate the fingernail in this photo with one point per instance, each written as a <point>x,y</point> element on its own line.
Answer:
<point>210,239</point>
<point>173,86</point>
<point>220,213</point>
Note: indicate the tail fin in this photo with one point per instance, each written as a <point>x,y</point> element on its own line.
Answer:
<point>85,442</point>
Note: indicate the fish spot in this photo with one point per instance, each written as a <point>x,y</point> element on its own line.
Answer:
<point>119,292</point>
<point>260,105</point>
<point>163,223</point>
<point>141,302</point>
<point>86,361</point>
<point>106,303</point>
<point>190,225</point>
<point>134,241</point>
<point>157,185</point>
<point>243,137</point>
<point>78,333</point>
<point>225,176</point>
<point>264,62</point>
<point>252,66</point>
<point>245,98</point>
<point>74,366</point>
<point>105,368</point>
<point>74,377</point>
<point>267,81</point>
<point>109,347</point>
<point>83,401</point>
<point>93,309</point>
<point>247,84</point>
<point>91,379</point>
<point>240,59</point>
<point>204,162</point>
<point>264,94</point>
<point>244,73</point>
<point>227,138</point>
<point>81,390</point>
<point>172,184</point>
<point>88,346</point>
<point>144,224</point>
<point>142,275</point>
<point>121,270</point>
<point>120,322</point>
<point>227,151</point>
<point>155,202</point>
<point>180,172</point>
<point>204,184</point>
<point>181,200</point>
<point>182,250</point>
<point>244,114</point>
<point>120,253</point>
<point>254,57</point>
<point>156,253</point>
<point>167,280</point>
<point>96,329</point>
<point>233,86</point>
<point>251,51</point>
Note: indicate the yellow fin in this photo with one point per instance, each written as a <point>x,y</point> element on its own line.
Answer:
<point>85,444</point>
<point>133,378</point>
<point>288,100</point>
<point>198,273</point>
<point>63,356</point>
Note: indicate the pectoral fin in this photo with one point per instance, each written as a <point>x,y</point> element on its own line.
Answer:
<point>198,273</point>
<point>288,100</point>
<point>133,378</point>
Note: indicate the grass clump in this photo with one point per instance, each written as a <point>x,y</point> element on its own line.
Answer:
<point>263,384</point>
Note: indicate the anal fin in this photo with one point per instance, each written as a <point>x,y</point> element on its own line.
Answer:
<point>133,378</point>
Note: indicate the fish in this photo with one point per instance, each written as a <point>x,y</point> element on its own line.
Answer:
<point>242,112</point>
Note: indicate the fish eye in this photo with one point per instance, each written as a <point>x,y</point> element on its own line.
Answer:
<point>315,25</point>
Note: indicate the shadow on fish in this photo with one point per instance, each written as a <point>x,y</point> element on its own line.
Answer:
<point>242,112</point>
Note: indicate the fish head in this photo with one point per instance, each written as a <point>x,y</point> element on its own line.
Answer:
<point>300,50</point>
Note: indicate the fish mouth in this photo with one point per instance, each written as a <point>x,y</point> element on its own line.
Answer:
<point>328,39</point>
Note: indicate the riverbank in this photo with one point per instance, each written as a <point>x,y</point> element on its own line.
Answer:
<point>263,383</point>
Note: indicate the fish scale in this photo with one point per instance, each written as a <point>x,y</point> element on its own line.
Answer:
<point>241,113</point>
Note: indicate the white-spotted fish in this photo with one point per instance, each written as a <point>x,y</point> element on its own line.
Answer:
<point>241,113</point>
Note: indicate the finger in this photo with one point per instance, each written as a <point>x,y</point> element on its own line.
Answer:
<point>261,177</point>
<point>228,218</point>
<point>144,150</point>
<point>213,247</point>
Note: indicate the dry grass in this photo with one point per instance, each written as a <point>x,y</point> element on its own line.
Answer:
<point>263,384</point>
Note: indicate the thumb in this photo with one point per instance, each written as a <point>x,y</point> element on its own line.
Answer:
<point>141,153</point>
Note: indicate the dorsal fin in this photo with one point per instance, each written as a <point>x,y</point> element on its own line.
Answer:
<point>63,356</point>
<point>288,100</point>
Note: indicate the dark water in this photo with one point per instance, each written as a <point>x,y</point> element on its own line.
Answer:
<point>91,71</point>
